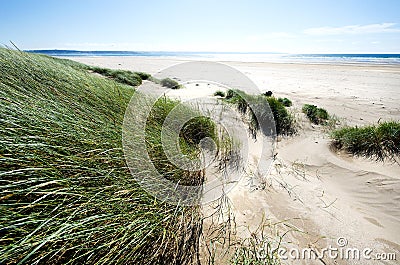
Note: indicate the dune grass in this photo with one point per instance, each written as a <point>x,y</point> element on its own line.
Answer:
<point>379,142</point>
<point>285,101</point>
<point>191,133</point>
<point>66,194</point>
<point>284,120</point>
<point>219,93</point>
<point>267,93</point>
<point>122,76</point>
<point>315,115</point>
<point>169,83</point>
<point>254,107</point>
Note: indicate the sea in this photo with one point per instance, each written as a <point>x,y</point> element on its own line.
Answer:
<point>380,59</point>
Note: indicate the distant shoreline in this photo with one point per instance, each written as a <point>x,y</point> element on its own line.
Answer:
<point>358,59</point>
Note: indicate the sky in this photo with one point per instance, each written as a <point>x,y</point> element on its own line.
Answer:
<point>288,26</point>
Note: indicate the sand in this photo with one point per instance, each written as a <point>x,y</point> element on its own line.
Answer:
<point>313,192</point>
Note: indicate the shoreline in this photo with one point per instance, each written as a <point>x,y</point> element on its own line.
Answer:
<point>278,62</point>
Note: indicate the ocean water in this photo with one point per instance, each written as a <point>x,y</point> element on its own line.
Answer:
<point>382,59</point>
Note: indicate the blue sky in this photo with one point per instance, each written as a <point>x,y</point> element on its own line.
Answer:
<point>294,26</point>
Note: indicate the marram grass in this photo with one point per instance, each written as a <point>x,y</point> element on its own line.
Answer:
<point>66,194</point>
<point>260,118</point>
<point>379,142</point>
<point>315,115</point>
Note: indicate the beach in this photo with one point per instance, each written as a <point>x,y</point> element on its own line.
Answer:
<point>317,194</point>
<point>359,94</point>
<point>200,132</point>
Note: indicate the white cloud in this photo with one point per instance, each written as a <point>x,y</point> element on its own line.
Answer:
<point>354,29</point>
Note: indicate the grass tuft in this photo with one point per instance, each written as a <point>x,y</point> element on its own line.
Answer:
<point>254,106</point>
<point>143,76</point>
<point>284,121</point>
<point>285,102</point>
<point>121,76</point>
<point>219,93</point>
<point>315,115</point>
<point>170,83</point>
<point>267,93</point>
<point>380,141</point>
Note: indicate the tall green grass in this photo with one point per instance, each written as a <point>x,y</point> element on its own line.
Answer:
<point>255,107</point>
<point>191,133</point>
<point>380,141</point>
<point>66,194</point>
<point>284,120</point>
<point>121,76</point>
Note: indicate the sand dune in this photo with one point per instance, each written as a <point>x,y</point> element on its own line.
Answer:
<point>322,194</point>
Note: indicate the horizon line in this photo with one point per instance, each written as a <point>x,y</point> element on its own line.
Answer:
<point>212,52</point>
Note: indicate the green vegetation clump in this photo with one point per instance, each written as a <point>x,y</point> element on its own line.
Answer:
<point>231,93</point>
<point>67,62</point>
<point>219,93</point>
<point>315,115</point>
<point>197,129</point>
<point>67,195</point>
<point>284,121</point>
<point>380,141</point>
<point>121,76</point>
<point>254,106</point>
<point>267,94</point>
<point>143,76</point>
<point>170,83</point>
<point>285,101</point>
<point>191,133</point>
<point>239,98</point>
